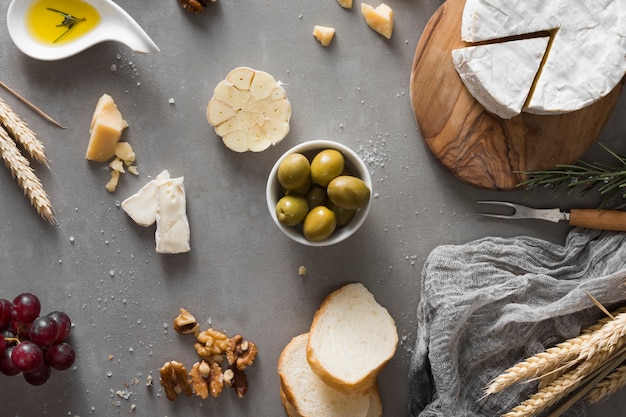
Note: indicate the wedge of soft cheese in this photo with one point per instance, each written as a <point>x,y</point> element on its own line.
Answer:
<point>172,226</point>
<point>324,34</point>
<point>105,130</point>
<point>501,89</point>
<point>380,18</point>
<point>142,206</point>
<point>586,57</point>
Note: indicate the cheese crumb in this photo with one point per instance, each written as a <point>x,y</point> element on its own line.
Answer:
<point>346,4</point>
<point>324,34</point>
<point>380,18</point>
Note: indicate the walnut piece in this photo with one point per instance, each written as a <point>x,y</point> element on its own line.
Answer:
<point>211,345</point>
<point>241,353</point>
<point>194,6</point>
<point>175,380</point>
<point>239,381</point>
<point>216,379</point>
<point>186,323</point>
<point>199,376</point>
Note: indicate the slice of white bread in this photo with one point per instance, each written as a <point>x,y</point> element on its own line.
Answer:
<point>306,394</point>
<point>375,408</point>
<point>351,339</point>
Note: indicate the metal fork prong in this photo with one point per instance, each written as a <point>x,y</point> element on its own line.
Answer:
<point>499,203</point>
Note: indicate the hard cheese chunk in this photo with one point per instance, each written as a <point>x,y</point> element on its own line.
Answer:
<point>501,89</point>
<point>142,206</point>
<point>172,227</point>
<point>380,18</point>
<point>105,130</point>
<point>324,34</point>
<point>587,55</point>
<point>346,4</point>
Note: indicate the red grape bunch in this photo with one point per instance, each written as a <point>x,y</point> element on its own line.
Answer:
<point>31,344</point>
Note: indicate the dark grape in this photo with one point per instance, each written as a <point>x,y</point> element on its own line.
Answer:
<point>43,331</point>
<point>5,313</point>
<point>26,308</point>
<point>9,337</point>
<point>7,366</point>
<point>60,356</point>
<point>64,323</point>
<point>39,376</point>
<point>3,345</point>
<point>27,356</point>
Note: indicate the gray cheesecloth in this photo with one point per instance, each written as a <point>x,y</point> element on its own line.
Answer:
<point>489,304</point>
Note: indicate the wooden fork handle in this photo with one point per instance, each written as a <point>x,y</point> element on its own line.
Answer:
<point>613,220</point>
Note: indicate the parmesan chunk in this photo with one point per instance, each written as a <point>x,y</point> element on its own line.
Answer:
<point>346,4</point>
<point>380,18</point>
<point>324,34</point>
<point>172,226</point>
<point>105,130</point>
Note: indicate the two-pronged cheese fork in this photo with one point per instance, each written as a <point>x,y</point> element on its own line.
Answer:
<point>600,219</point>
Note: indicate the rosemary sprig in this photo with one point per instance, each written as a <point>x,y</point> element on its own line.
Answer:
<point>608,180</point>
<point>69,22</point>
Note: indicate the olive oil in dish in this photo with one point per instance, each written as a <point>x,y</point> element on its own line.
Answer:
<point>55,22</point>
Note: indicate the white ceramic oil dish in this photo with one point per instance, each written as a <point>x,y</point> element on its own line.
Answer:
<point>115,25</point>
<point>355,164</point>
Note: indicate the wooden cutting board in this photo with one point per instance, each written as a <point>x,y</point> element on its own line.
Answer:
<point>476,146</point>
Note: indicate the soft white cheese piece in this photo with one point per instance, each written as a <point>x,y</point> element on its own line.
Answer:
<point>172,231</point>
<point>502,89</point>
<point>587,56</point>
<point>142,206</point>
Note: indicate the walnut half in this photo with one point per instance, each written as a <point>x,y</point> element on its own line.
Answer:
<point>186,323</point>
<point>241,353</point>
<point>175,380</point>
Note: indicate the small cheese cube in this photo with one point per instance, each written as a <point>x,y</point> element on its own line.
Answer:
<point>172,226</point>
<point>346,4</point>
<point>142,206</point>
<point>105,130</point>
<point>380,18</point>
<point>324,34</point>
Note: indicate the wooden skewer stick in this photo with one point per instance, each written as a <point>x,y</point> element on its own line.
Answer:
<point>32,106</point>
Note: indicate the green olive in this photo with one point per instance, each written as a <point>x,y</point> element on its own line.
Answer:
<point>294,171</point>
<point>344,215</point>
<point>302,190</point>
<point>316,196</point>
<point>291,209</point>
<point>348,192</point>
<point>326,165</point>
<point>319,223</point>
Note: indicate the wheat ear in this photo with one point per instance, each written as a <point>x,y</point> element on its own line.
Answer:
<point>607,339</point>
<point>545,363</point>
<point>18,129</point>
<point>27,179</point>
<point>609,386</point>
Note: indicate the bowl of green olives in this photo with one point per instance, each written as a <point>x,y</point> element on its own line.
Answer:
<point>319,193</point>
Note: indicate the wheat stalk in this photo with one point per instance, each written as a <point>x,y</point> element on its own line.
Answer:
<point>548,363</point>
<point>27,179</point>
<point>609,386</point>
<point>22,134</point>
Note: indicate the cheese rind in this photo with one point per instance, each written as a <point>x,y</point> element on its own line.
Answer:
<point>105,130</point>
<point>142,206</point>
<point>502,89</point>
<point>380,18</point>
<point>172,226</point>
<point>587,56</point>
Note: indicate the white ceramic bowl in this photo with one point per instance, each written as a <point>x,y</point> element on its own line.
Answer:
<point>274,191</point>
